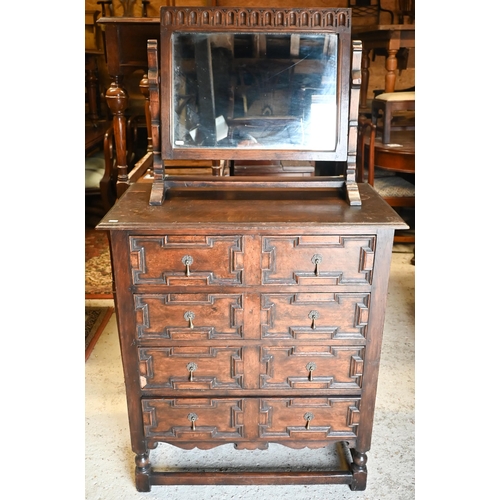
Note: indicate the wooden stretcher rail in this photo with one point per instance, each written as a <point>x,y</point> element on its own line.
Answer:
<point>251,478</point>
<point>256,182</point>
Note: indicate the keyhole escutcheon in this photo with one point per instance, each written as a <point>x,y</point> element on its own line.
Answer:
<point>308,417</point>
<point>189,316</point>
<point>310,367</point>
<point>192,417</point>
<point>191,368</point>
<point>313,315</point>
<point>316,260</point>
<point>187,260</point>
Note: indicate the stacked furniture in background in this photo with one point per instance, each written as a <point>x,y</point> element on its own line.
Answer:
<point>386,159</point>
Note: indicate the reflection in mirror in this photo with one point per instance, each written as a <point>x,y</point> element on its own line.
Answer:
<point>249,90</point>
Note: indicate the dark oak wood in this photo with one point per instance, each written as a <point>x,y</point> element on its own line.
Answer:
<point>125,47</point>
<point>251,316</point>
<point>277,167</point>
<point>231,20</point>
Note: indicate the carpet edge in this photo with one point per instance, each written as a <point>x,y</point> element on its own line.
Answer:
<point>100,329</point>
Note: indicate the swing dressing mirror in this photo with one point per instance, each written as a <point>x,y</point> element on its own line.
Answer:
<point>254,84</point>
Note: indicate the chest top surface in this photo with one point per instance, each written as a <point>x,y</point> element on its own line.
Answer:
<point>232,209</point>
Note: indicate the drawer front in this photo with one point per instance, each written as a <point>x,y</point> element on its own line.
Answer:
<point>191,368</point>
<point>193,419</point>
<point>317,260</point>
<point>232,419</point>
<point>283,419</point>
<point>314,316</point>
<point>312,367</point>
<point>186,260</point>
<point>188,316</point>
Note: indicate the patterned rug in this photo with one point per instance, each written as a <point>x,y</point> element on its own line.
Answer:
<point>96,318</point>
<point>98,278</point>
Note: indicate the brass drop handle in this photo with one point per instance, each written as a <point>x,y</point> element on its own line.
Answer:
<point>316,260</point>
<point>189,316</point>
<point>187,260</point>
<point>310,367</point>
<point>192,417</point>
<point>191,368</point>
<point>308,417</point>
<point>314,315</point>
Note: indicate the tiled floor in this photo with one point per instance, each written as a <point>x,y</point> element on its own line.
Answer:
<point>391,461</point>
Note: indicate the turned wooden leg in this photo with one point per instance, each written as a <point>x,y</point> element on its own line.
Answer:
<point>391,64</point>
<point>143,472</point>
<point>117,99</point>
<point>359,471</point>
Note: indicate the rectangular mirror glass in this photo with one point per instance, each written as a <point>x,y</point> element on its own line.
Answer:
<point>255,90</point>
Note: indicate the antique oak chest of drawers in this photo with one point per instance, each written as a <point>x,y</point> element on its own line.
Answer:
<point>251,317</point>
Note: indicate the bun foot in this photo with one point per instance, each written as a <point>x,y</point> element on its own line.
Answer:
<point>142,472</point>
<point>359,471</point>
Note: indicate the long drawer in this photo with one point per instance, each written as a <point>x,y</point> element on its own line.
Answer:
<point>235,260</point>
<point>238,419</point>
<point>212,316</point>
<point>293,367</point>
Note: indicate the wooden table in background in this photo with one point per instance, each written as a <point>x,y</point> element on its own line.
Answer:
<point>391,37</point>
<point>125,40</point>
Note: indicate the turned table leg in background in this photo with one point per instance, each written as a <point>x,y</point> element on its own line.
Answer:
<point>117,99</point>
<point>391,65</point>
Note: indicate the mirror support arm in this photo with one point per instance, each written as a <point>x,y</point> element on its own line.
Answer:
<point>352,191</point>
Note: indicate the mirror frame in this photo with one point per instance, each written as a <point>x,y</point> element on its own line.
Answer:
<point>255,21</point>
<point>259,21</point>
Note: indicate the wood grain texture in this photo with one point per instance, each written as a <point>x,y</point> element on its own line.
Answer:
<point>270,332</point>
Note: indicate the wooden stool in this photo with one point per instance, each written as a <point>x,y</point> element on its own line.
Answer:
<point>389,103</point>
